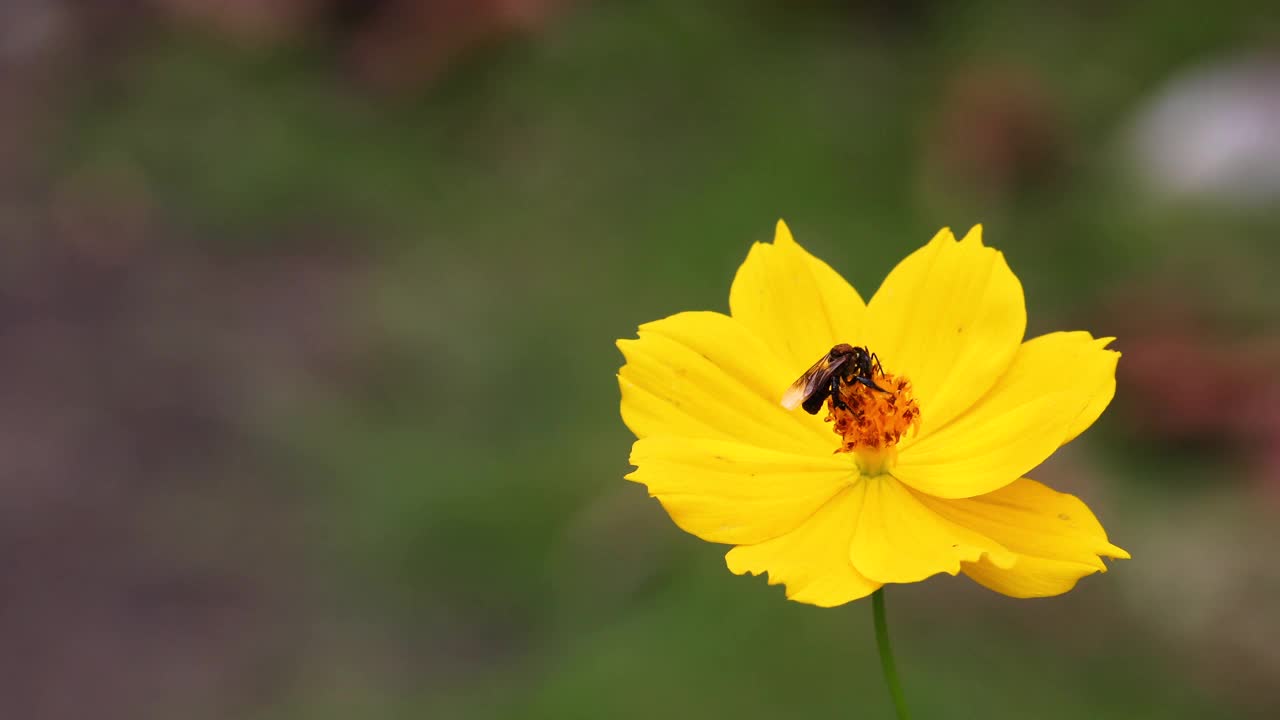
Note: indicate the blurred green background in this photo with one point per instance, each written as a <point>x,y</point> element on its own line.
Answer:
<point>308,310</point>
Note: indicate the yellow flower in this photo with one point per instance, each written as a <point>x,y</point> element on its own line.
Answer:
<point>833,515</point>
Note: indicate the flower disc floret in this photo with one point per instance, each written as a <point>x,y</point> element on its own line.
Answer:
<point>869,419</point>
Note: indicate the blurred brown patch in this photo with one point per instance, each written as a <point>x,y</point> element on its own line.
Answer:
<point>151,544</point>
<point>410,42</point>
<point>257,21</point>
<point>1192,376</point>
<point>994,131</point>
<point>1188,380</point>
<point>389,45</point>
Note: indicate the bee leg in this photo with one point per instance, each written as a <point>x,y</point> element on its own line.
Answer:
<point>836,400</point>
<point>870,383</point>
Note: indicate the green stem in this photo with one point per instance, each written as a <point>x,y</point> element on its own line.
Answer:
<point>886,655</point>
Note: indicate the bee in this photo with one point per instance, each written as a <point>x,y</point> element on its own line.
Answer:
<point>844,364</point>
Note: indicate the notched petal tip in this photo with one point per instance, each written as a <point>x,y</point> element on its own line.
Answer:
<point>974,236</point>
<point>1056,388</point>
<point>793,301</point>
<point>944,235</point>
<point>950,316</point>
<point>1056,537</point>
<point>1115,552</point>
<point>782,234</point>
<point>1100,343</point>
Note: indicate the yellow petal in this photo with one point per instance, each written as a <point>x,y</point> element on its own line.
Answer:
<point>949,317</point>
<point>703,375</point>
<point>899,539</point>
<point>1056,384</point>
<point>794,302</point>
<point>1031,577</point>
<point>727,492</point>
<point>1055,536</point>
<point>1101,387</point>
<point>812,560</point>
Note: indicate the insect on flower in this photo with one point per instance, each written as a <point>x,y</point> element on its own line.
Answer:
<point>844,364</point>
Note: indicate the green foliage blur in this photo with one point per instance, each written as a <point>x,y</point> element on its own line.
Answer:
<point>445,474</point>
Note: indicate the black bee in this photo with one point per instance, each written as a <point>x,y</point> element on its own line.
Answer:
<point>844,364</point>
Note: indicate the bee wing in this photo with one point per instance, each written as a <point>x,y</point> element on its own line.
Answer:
<point>811,381</point>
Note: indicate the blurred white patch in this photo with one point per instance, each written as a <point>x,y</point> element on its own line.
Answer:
<point>1214,133</point>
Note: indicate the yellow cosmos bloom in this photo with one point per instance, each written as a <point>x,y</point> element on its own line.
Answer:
<point>818,502</point>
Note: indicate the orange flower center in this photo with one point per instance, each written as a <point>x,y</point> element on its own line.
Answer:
<point>873,420</point>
